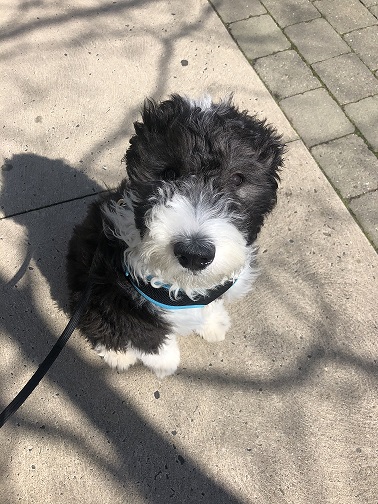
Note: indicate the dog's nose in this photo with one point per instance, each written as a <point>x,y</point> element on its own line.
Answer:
<point>194,254</point>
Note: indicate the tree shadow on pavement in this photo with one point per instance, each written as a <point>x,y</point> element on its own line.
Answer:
<point>44,198</point>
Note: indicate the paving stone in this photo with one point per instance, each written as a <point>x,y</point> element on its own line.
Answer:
<point>345,15</point>
<point>316,40</point>
<point>236,10</point>
<point>364,114</point>
<point>286,74</point>
<point>259,36</point>
<point>349,164</point>
<point>316,117</point>
<point>347,77</point>
<point>368,3</point>
<point>365,43</point>
<point>374,10</point>
<point>365,208</point>
<point>293,12</point>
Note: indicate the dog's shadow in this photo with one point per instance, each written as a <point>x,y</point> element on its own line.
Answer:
<point>37,193</point>
<point>31,186</point>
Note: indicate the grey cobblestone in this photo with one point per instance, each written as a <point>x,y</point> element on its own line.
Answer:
<point>349,164</point>
<point>365,116</point>
<point>324,75</point>
<point>365,43</point>
<point>286,74</point>
<point>289,13</point>
<point>316,40</point>
<point>347,77</point>
<point>316,117</point>
<point>345,15</point>
<point>368,3</point>
<point>365,209</point>
<point>237,9</point>
<point>259,36</point>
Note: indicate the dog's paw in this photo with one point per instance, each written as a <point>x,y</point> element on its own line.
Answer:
<point>117,360</point>
<point>216,322</point>
<point>215,331</point>
<point>163,372</point>
<point>165,362</point>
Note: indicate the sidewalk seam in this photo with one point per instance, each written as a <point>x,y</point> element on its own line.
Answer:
<point>63,202</point>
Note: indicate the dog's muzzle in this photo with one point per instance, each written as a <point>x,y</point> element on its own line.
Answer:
<point>194,253</point>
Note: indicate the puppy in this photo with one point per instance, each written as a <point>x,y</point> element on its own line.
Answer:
<point>176,240</point>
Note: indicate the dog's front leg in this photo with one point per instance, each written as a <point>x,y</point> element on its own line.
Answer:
<point>216,322</point>
<point>165,361</point>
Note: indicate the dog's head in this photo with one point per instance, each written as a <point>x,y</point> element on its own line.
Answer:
<point>202,176</point>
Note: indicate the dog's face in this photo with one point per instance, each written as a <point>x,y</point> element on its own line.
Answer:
<point>202,176</point>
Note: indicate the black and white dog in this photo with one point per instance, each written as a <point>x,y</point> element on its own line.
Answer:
<point>176,240</point>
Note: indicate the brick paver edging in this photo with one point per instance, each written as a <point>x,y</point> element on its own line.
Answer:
<point>319,59</point>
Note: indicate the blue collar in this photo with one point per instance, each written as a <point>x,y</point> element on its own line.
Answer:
<point>159,296</point>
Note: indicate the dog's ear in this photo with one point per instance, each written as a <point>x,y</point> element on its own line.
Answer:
<point>138,127</point>
<point>149,115</point>
<point>265,141</point>
<point>262,139</point>
<point>156,117</point>
<point>260,152</point>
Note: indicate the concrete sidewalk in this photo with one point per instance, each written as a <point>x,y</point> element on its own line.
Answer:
<point>283,411</point>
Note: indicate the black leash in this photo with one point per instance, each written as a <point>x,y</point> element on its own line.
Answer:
<point>49,360</point>
<point>54,352</point>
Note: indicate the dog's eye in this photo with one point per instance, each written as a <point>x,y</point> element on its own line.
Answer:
<point>237,179</point>
<point>169,174</point>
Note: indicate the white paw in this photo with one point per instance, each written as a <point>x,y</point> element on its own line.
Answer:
<point>216,322</point>
<point>117,360</point>
<point>165,362</point>
<point>214,332</point>
<point>163,372</point>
